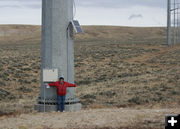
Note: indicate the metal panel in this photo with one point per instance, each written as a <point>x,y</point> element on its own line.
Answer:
<point>50,75</point>
<point>77,26</point>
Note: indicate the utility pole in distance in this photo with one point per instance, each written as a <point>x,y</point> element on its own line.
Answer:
<point>169,22</point>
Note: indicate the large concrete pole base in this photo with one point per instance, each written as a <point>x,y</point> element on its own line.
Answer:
<point>51,105</point>
<point>50,108</point>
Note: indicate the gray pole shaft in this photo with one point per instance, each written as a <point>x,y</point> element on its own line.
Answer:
<point>177,24</point>
<point>177,32</point>
<point>174,22</point>
<point>169,22</point>
<point>57,45</point>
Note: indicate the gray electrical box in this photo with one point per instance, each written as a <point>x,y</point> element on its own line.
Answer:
<point>50,75</point>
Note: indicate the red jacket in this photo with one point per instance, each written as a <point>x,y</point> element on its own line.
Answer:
<point>61,89</point>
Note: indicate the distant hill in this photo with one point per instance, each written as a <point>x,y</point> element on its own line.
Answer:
<point>18,33</point>
<point>32,33</point>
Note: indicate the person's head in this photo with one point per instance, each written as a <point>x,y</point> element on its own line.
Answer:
<point>61,79</point>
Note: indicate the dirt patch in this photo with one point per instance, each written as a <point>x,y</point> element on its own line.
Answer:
<point>94,119</point>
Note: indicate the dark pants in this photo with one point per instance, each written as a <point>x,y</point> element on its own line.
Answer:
<point>61,103</point>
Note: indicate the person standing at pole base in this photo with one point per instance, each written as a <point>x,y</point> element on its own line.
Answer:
<point>61,86</point>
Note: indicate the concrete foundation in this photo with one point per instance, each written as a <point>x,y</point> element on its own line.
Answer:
<point>50,108</point>
<point>49,105</point>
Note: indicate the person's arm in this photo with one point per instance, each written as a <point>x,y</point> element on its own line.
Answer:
<point>71,85</point>
<point>52,84</point>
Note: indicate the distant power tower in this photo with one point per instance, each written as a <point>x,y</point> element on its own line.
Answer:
<point>173,22</point>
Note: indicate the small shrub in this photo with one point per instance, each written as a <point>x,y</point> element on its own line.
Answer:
<point>34,80</point>
<point>135,100</point>
<point>24,81</point>
<point>89,96</point>
<point>108,93</point>
<point>2,83</point>
<point>6,95</point>
<point>24,89</point>
<point>174,92</point>
<point>27,69</point>
<point>83,82</point>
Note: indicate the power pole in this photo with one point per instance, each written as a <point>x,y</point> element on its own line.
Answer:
<point>57,52</point>
<point>169,22</point>
<point>174,36</point>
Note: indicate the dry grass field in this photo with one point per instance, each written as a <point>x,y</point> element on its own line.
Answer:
<point>115,67</point>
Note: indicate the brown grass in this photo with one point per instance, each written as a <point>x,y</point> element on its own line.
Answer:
<point>114,67</point>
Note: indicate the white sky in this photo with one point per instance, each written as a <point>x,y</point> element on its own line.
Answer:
<point>91,12</point>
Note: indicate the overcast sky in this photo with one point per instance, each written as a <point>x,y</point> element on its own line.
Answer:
<point>91,12</point>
